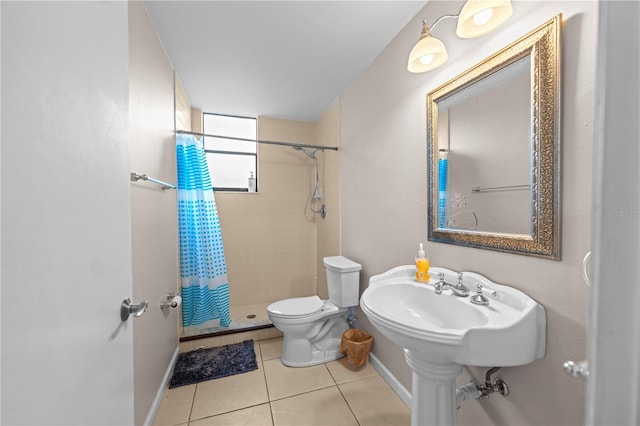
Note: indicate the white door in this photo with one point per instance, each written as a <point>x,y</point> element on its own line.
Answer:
<point>66,227</point>
<point>613,385</point>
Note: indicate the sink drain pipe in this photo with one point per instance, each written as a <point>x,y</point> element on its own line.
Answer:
<point>471,390</point>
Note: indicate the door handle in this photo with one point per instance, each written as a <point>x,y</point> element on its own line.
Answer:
<point>127,308</point>
<point>577,369</point>
<point>585,268</point>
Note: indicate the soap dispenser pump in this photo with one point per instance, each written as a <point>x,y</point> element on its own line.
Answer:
<point>252,183</point>
<point>422,266</point>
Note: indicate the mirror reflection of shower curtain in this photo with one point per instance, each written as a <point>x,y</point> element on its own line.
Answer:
<point>203,268</point>
<point>443,202</point>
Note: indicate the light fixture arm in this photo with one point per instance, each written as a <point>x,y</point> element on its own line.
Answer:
<point>428,29</point>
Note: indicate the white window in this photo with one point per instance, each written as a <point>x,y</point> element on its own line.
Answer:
<point>231,161</point>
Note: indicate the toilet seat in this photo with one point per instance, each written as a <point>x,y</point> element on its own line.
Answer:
<point>296,307</point>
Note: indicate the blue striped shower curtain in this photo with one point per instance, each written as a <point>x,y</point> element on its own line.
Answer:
<point>203,268</point>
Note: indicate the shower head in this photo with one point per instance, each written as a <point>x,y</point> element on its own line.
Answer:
<point>317,193</point>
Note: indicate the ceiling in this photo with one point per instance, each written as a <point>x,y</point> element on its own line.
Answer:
<point>287,59</point>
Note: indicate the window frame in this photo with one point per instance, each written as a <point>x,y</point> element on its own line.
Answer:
<point>226,152</point>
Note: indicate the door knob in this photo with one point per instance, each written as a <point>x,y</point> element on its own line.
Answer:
<point>127,308</point>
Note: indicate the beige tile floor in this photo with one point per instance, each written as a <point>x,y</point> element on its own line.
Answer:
<point>327,394</point>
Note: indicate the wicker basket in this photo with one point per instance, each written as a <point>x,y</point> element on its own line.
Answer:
<point>356,344</point>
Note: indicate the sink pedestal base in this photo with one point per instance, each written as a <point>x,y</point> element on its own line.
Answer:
<point>433,390</point>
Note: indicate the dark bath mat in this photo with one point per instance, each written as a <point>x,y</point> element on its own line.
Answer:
<point>212,363</point>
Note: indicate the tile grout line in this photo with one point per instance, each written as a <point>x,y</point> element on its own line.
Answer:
<point>224,413</point>
<point>266,385</point>
<point>329,370</point>
<point>335,382</point>
<point>345,398</point>
<point>189,419</point>
<point>303,393</point>
<point>193,401</point>
<point>349,405</point>
<point>342,394</point>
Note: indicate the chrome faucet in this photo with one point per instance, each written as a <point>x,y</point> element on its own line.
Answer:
<point>440,284</point>
<point>458,289</point>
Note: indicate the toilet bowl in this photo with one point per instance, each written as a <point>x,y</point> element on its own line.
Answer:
<point>311,327</point>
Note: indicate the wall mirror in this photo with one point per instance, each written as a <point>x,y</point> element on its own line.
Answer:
<point>493,135</point>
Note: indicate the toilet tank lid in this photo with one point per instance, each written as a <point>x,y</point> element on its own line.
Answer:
<point>341,264</point>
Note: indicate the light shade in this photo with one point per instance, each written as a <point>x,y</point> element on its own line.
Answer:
<point>479,17</point>
<point>427,54</point>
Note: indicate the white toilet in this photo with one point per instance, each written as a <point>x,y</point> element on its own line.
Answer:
<point>312,328</point>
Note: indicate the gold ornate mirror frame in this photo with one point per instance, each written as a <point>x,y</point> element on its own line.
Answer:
<point>543,47</point>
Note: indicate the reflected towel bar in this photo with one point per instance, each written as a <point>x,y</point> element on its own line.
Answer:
<point>136,177</point>
<point>495,188</point>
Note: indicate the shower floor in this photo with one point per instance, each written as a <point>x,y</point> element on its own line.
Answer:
<point>243,317</point>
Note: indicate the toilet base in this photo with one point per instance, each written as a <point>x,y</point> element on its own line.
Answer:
<point>299,351</point>
<point>318,357</point>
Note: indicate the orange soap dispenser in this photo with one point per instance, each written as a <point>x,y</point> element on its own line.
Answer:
<point>422,266</point>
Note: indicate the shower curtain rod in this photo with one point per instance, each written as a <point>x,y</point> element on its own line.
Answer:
<point>291,144</point>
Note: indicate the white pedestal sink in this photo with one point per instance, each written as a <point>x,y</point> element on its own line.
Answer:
<point>441,332</point>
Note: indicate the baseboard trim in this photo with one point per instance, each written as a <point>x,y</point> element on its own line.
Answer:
<point>153,410</point>
<point>391,380</point>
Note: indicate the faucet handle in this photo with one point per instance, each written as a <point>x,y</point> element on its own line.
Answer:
<point>459,278</point>
<point>479,298</point>
<point>441,276</point>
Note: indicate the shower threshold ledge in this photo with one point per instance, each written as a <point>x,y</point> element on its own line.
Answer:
<point>221,331</point>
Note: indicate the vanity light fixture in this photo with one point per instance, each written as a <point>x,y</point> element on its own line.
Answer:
<point>476,18</point>
<point>479,17</point>
<point>428,53</point>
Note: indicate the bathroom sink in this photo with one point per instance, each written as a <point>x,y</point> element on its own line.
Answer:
<point>509,331</point>
<point>419,307</point>
<point>442,332</point>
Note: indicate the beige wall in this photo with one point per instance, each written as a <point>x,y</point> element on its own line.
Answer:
<point>328,229</point>
<point>384,200</point>
<point>154,220</point>
<point>182,106</point>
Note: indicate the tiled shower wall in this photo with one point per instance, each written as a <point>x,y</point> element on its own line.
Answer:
<point>269,236</point>
<point>274,244</point>
<point>272,239</point>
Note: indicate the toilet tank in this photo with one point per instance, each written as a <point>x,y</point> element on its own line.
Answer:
<point>343,280</point>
